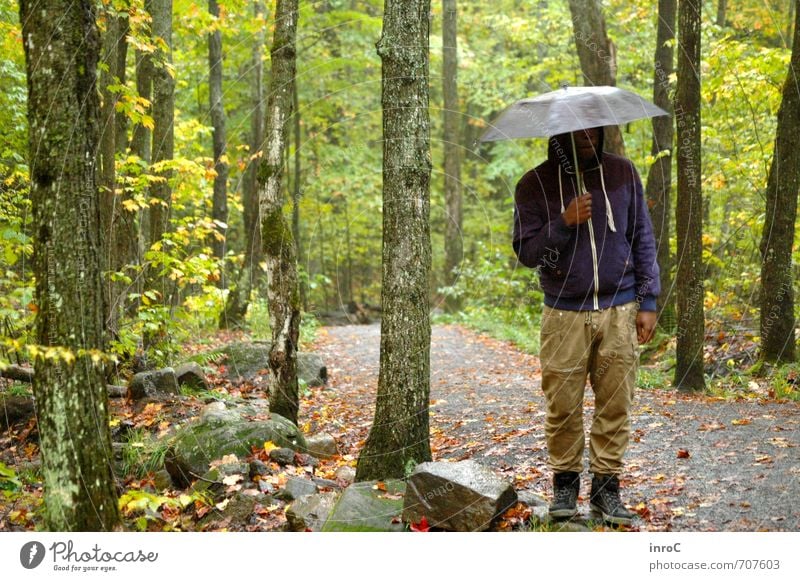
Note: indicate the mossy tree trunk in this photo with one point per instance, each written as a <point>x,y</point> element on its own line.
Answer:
<point>219,211</point>
<point>62,48</point>
<point>453,246</point>
<point>598,56</point>
<point>783,185</point>
<point>689,210</point>
<point>659,179</point>
<point>400,434</point>
<point>279,249</point>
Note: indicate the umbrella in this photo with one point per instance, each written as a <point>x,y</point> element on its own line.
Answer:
<point>569,109</point>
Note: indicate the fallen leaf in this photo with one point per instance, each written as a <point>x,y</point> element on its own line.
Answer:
<point>421,526</point>
<point>741,422</point>
<point>683,453</point>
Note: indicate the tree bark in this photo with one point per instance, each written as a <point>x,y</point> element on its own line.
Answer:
<point>238,300</point>
<point>721,10</point>
<point>279,249</point>
<point>453,247</point>
<point>783,185</point>
<point>62,48</point>
<point>163,119</point>
<point>219,211</point>
<point>689,211</point>
<point>399,437</point>
<point>659,179</point>
<point>598,57</point>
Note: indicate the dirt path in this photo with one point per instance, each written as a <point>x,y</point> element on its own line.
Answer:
<point>742,472</point>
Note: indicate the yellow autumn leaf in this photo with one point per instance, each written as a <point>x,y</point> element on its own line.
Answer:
<point>270,446</point>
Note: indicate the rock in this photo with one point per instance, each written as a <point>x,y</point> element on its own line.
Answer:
<point>220,433</point>
<point>296,488</point>
<point>153,384</point>
<point>365,507</point>
<point>246,361</point>
<point>311,369</point>
<point>210,483</point>
<point>191,375</point>
<point>162,480</point>
<point>258,469</point>
<point>322,446</point>
<point>531,498</point>
<point>458,496</point>
<point>236,513</point>
<point>15,410</point>
<point>212,410</point>
<point>234,468</point>
<point>117,391</point>
<point>325,483</point>
<point>310,512</point>
<point>283,456</point>
<point>266,487</point>
<point>306,460</point>
<point>346,474</point>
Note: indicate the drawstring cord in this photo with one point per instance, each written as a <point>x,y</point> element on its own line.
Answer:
<point>609,213</point>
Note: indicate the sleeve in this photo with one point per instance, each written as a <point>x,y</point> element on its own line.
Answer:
<point>538,235</point>
<point>643,244</point>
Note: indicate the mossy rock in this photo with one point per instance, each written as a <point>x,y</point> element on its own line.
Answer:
<point>198,444</point>
<point>366,507</point>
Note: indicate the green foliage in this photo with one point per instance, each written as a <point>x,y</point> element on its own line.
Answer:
<point>8,479</point>
<point>785,382</point>
<point>142,454</point>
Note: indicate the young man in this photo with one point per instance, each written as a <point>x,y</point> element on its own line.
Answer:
<point>589,234</point>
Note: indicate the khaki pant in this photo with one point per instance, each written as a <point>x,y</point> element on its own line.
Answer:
<point>600,344</point>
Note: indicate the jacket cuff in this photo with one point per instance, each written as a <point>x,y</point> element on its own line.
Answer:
<point>648,304</point>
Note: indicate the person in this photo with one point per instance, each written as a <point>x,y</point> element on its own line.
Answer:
<point>586,227</point>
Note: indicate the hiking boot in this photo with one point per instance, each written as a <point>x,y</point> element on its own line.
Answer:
<point>566,486</point>
<point>604,500</point>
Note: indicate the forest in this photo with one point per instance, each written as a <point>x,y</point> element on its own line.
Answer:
<point>256,260</point>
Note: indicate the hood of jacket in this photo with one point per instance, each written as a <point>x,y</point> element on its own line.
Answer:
<point>559,150</point>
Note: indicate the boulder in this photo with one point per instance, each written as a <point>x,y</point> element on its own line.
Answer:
<point>531,498</point>
<point>222,432</point>
<point>191,375</point>
<point>311,369</point>
<point>15,409</point>
<point>322,446</point>
<point>153,384</point>
<point>245,360</point>
<point>310,512</point>
<point>458,496</point>
<point>296,488</point>
<point>369,507</point>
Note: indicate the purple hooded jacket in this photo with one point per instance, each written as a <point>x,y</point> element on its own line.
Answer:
<point>626,268</point>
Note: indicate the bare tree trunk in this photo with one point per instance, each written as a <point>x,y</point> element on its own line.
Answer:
<point>721,10</point>
<point>279,249</point>
<point>689,211</point>
<point>238,300</point>
<point>62,48</point>
<point>219,211</point>
<point>659,179</point>
<point>163,119</point>
<point>298,241</point>
<point>598,56</point>
<point>783,184</point>
<point>453,247</point>
<point>400,433</point>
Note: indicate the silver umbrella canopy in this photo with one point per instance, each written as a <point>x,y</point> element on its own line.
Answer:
<point>569,109</point>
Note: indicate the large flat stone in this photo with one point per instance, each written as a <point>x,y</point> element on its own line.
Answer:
<point>366,507</point>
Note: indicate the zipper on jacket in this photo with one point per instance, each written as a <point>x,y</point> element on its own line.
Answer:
<point>595,303</point>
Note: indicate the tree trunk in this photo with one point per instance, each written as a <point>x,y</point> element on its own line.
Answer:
<point>783,184</point>
<point>238,300</point>
<point>399,437</point>
<point>659,179</point>
<point>279,249</point>
<point>163,119</point>
<point>141,140</point>
<point>453,248</point>
<point>689,211</point>
<point>721,9</point>
<point>298,241</point>
<point>219,211</point>
<point>62,48</point>
<point>598,57</point>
